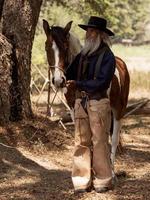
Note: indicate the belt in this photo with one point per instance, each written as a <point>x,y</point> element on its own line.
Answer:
<point>91,96</point>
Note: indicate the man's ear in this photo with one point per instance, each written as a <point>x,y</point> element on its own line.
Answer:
<point>68,27</point>
<point>46,27</point>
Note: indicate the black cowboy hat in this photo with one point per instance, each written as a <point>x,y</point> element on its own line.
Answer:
<point>98,23</point>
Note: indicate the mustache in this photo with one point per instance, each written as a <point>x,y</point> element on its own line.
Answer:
<point>91,45</point>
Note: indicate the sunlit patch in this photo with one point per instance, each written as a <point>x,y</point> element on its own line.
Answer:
<point>24,180</point>
<point>16,166</point>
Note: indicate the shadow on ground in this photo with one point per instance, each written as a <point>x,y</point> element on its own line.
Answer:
<point>22,178</point>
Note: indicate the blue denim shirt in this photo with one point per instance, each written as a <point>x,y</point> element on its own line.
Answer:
<point>104,77</point>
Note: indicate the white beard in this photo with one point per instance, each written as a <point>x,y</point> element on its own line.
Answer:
<point>91,45</point>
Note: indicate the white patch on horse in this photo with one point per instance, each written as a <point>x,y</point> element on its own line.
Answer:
<point>56,53</point>
<point>115,138</point>
<point>58,74</point>
<point>108,90</point>
<point>118,76</point>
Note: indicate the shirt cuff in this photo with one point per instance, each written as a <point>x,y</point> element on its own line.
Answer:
<point>79,84</point>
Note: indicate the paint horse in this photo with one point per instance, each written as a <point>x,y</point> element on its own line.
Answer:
<point>61,47</point>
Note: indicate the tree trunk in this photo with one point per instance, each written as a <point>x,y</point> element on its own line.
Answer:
<point>5,78</point>
<point>1,8</point>
<point>19,23</point>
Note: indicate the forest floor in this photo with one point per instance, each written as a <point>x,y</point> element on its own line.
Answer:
<point>36,159</point>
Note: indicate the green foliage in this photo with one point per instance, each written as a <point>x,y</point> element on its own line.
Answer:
<point>126,18</point>
<point>55,15</point>
<point>38,51</point>
<point>59,15</point>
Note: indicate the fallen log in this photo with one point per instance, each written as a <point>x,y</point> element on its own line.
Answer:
<point>142,111</point>
<point>137,108</point>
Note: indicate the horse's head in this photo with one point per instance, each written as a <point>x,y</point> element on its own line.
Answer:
<point>57,46</point>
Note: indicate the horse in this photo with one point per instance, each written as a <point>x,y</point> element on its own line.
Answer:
<point>61,47</point>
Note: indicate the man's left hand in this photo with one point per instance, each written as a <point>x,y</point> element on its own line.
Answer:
<point>71,83</point>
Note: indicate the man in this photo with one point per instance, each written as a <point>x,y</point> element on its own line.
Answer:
<point>91,73</point>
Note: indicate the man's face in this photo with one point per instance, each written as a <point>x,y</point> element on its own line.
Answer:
<point>92,33</point>
<point>92,41</point>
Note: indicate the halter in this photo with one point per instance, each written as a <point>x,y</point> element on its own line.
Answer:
<point>54,67</point>
<point>66,61</point>
<point>66,56</point>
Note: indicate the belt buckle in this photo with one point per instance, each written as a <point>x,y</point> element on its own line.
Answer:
<point>83,94</point>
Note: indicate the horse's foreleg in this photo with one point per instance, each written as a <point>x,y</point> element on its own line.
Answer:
<point>115,139</point>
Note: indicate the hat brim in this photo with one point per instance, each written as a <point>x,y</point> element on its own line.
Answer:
<point>84,27</point>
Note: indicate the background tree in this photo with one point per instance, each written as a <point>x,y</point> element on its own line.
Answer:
<point>126,18</point>
<point>1,7</point>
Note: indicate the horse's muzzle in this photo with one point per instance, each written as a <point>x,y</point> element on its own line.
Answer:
<point>63,84</point>
<point>59,84</point>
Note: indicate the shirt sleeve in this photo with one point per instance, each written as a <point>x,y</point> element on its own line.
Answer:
<point>71,72</point>
<point>104,77</point>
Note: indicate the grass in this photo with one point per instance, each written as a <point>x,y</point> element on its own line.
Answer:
<point>137,59</point>
<point>139,84</point>
<point>140,80</point>
<point>131,51</point>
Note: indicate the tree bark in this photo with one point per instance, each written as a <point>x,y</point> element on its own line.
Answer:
<point>1,8</point>
<point>19,23</point>
<point>5,78</point>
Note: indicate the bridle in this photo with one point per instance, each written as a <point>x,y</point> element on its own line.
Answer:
<point>66,57</point>
<point>66,63</point>
<point>54,67</point>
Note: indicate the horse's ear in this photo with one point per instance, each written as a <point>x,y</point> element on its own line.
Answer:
<point>68,27</point>
<point>46,27</point>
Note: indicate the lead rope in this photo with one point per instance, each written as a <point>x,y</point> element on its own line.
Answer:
<point>51,104</point>
<point>54,67</point>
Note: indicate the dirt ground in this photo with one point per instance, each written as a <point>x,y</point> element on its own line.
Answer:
<point>36,159</point>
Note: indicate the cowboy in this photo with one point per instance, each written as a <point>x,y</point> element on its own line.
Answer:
<point>91,73</point>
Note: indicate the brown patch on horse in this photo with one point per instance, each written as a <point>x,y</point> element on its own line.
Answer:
<point>70,95</point>
<point>120,89</point>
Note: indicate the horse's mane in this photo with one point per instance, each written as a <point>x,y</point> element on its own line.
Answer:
<point>74,47</point>
<point>74,42</point>
<point>56,32</point>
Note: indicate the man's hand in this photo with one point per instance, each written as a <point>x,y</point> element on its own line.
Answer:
<point>71,84</point>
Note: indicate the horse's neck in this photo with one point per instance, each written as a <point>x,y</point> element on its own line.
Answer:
<point>74,47</point>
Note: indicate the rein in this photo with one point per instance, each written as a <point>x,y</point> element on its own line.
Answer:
<point>54,67</point>
<point>51,104</point>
